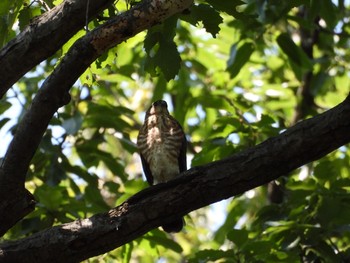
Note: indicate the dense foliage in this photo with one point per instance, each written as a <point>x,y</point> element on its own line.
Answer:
<point>234,72</point>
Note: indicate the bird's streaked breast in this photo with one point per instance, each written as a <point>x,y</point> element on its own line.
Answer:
<point>160,143</point>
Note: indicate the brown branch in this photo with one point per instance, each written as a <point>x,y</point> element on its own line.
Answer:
<point>54,92</point>
<point>200,186</point>
<point>43,37</point>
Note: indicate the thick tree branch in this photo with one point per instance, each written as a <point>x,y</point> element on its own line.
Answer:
<point>54,91</point>
<point>200,186</point>
<point>43,37</point>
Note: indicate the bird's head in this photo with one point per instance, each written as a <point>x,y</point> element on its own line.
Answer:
<point>159,107</point>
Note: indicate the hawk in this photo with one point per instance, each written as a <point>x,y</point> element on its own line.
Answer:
<point>162,147</point>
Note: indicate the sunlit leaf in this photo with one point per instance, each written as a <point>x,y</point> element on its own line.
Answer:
<point>127,252</point>
<point>210,18</point>
<point>52,201</point>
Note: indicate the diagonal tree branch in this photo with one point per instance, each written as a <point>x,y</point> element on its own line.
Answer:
<point>43,37</point>
<point>200,186</point>
<point>54,93</point>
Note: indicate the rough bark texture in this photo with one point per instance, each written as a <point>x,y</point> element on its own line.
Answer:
<point>54,93</point>
<point>306,141</point>
<point>43,37</point>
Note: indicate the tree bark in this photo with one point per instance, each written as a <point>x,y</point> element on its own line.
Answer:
<point>43,37</point>
<point>54,93</point>
<point>307,141</point>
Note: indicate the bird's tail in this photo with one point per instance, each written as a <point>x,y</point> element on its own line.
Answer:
<point>174,226</point>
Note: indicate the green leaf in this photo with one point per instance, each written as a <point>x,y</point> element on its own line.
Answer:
<point>50,196</point>
<point>210,18</point>
<point>148,247</point>
<point>87,78</point>
<point>212,255</point>
<point>159,89</point>
<point>151,40</point>
<point>128,145</point>
<point>4,106</point>
<point>113,165</point>
<point>87,151</point>
<point>126,252</point>
<point>106,116</point>
<point>238,236</point>
<point>328,12</point>
<point>81,173</point>
<point>26,14</point>
<point>55,173</point>
<point>325,170</point>
<point>3,122</point>
<point>5,6</point>
<point>294,53</point>
<point>239,55</point>
<point>8,13</point>
<point>258,247</point>
<point>162,50</point>
<point>168,59</point>
<point>74,186</point>
<point>93,195</point>
<point>164,241</point>
<point>134,186</point>
<point>112,186</point>
<point>169,28</point>
<point>216,102</point>
<point>228,6</point>
<point>320,83</point>
<point>327,252</point>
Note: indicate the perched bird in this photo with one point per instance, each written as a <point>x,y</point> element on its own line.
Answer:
<point>162,146</point>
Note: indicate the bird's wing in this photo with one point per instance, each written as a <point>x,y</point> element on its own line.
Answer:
<point>146,170</point>
<point>182,156</point>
